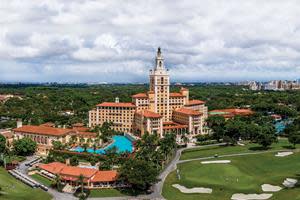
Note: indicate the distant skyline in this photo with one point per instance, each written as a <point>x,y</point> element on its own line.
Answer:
<point>116,41</point>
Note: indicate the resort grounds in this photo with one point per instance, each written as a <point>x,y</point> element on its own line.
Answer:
<point>244,174</point>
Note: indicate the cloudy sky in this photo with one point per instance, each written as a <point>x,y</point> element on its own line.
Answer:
<point>116,41</point>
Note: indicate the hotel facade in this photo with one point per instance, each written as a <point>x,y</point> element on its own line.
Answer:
<point>156,111</point>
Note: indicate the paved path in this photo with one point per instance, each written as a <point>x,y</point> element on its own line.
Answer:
<point>55,194</point>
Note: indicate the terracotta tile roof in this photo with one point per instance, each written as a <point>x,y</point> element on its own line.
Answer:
<point>72,173</point>
<point>195,102</point>
<point>43,130</point>
<point>140,95</point>
<point>7,134</point>
<point>173,125</point>
<point>81,129</point>
<point>77,171</point>
<point>176,94</point>
<point>54,167</point>
<point>187,111</point>
<point>78,124</point>
<point>231,112</point>
<point>105,176</point>
<point>149,114</point>
<point>114,104</point>
<point>48,124</point>
<point>87,134</point>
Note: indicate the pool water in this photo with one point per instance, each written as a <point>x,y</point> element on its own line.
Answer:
<point>281,125</point>
<point>122,143</point>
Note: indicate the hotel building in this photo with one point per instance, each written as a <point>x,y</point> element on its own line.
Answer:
<point>156,111</point>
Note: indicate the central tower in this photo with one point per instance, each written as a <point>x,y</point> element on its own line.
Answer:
<point>160,88</point>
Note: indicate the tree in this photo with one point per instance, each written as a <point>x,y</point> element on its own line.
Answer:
<point>2,143</point>
<point>85,146</point>
<point>57,183</point>
<point>147,146</point>
<point>294,138</point>
<point>266,137</point>
<point>74,161</point>
<point>139,173</point>
<point>24,146</point>
<point>81,182</point>
<point>57,145</point>
<point>216,124</point>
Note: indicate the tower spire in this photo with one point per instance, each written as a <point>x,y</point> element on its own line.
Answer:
<point>159,60</point>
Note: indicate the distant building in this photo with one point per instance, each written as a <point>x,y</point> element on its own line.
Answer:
<point>253,85</point>
<point>45,135</point>
<point>231,112</point>
<point>156,111</point>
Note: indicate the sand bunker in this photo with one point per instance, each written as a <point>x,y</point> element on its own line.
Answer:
<point>240,196</point>
<point>283,154</point>
<point>270,188</point>
<point>216,162</point>
<point>200,190</point>
<point>289,182</point>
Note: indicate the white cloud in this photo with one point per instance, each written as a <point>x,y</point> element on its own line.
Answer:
<point>86,40</point>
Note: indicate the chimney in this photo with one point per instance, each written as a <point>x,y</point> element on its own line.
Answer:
<point>19,123</point>
<point>117,100</point>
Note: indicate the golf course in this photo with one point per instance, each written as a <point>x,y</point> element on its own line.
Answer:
<point>243,174</point>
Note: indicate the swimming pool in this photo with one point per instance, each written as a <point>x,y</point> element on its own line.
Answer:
<point>122,143</point>
<point>281,125</point>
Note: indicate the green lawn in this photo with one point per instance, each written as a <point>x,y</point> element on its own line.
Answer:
<point>15,190</point>
<point>244,174</point>
<point>106,193</point>
<point>221,150</point>
<point>41,179</point>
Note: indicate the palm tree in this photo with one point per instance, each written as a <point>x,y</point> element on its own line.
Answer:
<point>80,180</point>
<point>94,146</point>
<point>85,146</point>
<point>57,182</point>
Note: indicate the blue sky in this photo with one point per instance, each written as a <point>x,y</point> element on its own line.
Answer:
<point>116,41</point>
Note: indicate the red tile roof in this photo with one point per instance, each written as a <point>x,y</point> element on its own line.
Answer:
<point>48,124</point>
<point>7,134</point>
<point>231,112</point>
<point>195,102</point>
<point>43,130</point>
<point>176,94</point>
<point>173,125</point>
<point>77,171</point>
<point>114,104</point>
<point>86,134</point>
<point>187,111</point>
<point>105,176</point>
<point>72,173</point>
<point>140,95</point>
<point>149,114</point>
<point>54,167</point>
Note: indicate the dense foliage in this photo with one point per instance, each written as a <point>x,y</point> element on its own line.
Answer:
<point>2,144</point>
<point>24,147</point>
<point>38,104</point>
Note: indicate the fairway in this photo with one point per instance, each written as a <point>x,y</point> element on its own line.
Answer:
<point>15,190</point>
<point>245,174</point>
<point>283,144</point>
